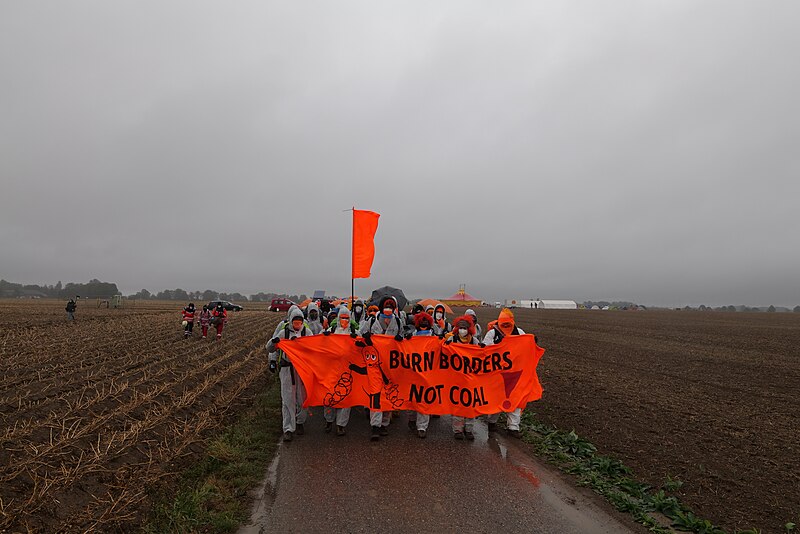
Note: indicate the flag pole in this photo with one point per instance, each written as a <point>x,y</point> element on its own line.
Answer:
<point>352,258</point>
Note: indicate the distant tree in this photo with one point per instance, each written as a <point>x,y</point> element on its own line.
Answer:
<point>771,309</point>
<point>58,287</point>
<point>180,294</point>
<point>142,295</point>
<point>796,309</point>
<point>209,295</point>
<point>731,308</point>
<point>702,307</point>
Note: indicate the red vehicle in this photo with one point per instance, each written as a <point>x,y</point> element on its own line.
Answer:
<point>280,305</point>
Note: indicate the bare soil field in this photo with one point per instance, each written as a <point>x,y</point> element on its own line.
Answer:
<point>95,412</point>
<point>709,398</point>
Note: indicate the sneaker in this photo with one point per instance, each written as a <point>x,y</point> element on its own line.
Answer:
<point>340,430</point>
<point>492,427</point>
<point>376,433</point>
<point>458,434</point>
<point>300,429</point>
<point>421,434</point>
<point>412,425</point>
<point>287,436</point>
<point>514,433</point>
<point>328,426</point>
<point>469,435</point>
<point>384,431</point>
<point>204,337</point>
<point>219,337</point>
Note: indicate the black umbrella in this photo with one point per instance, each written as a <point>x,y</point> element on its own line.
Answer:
<point>388,291</point>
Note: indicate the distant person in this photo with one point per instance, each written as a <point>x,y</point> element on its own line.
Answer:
<point>219,316</point>
<point>465,333</point>
<point>70,309</point>
<point>189,315</point>
<point>205,319</point>
<point>505,326</point>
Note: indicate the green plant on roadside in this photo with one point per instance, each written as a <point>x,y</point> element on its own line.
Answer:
<point>672,484</point>
<point>789,526</point>
<point>615,482</point>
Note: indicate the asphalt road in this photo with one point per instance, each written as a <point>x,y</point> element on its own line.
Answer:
<point>323,483</point>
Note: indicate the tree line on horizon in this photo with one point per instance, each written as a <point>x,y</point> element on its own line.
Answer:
<point>97,289</point>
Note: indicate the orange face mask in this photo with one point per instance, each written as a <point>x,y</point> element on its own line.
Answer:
<point>505,322</point>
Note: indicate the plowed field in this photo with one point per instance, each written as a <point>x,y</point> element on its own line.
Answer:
<point>711,399</point>
<point>93,413</point>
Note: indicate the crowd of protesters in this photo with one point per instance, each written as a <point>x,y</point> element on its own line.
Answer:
<point>384,319</point>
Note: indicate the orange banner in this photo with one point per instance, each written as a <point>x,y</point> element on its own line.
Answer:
<point>422,374</point>
<point>365,224</point>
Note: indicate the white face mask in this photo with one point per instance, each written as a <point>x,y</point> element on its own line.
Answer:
<point>387,311</point>
<point>358,309</point>
<point>463,332</point>
<point>439,316</point>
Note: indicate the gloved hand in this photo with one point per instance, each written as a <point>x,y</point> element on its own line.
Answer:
<point>326,332</point>
<point>353,335</point>
<point>448,341</point>
<point>482,345</point>
<point>440,336</point>
<point>276,340</point>
<point>273,366</point>
<point>293,338</point>
<point>535,339</point>
<point>409,336</point>
<point>398,337</point>
<point>367,338</point>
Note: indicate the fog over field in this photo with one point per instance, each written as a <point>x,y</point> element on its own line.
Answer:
<point>626,150</point>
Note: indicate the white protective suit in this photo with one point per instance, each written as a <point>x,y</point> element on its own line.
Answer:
<point>314,320</point>
<point>512,418</point>
<point>341,415</point>
<point>293,392</point>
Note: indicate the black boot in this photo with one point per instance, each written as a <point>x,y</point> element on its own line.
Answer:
<point>376,433</point>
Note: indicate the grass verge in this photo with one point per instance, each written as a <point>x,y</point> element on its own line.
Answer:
<point>211,496</point>
<point>656,508</point>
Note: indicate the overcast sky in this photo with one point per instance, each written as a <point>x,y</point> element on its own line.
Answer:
<point>637,150</point>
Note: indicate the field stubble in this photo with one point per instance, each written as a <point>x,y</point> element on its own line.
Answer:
<point>708,398</point>
<point>96,412</point>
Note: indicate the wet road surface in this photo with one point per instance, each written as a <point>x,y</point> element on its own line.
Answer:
<point>323,483</point>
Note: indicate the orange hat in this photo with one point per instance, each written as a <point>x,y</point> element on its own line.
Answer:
<point>372,309</point>
<point>505,321</point>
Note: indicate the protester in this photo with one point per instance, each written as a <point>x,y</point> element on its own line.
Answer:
<point>416,420</point>
<point>440,325</point>
<point>386,323</point>
<point>292,390</point>
<point>344,326</point>
<point>366,325</point>
<point>189,315</point>
<point>478,330</point>
<point>219,317</point>
<point>313,322</point>
<point>464,333</point>
<point>358,314</point>
<point>505,326</point>
<point>205,319</point>
<point>70,309</point>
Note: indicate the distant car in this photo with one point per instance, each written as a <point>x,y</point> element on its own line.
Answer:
<point>280,305</point>
<point>230,306</point>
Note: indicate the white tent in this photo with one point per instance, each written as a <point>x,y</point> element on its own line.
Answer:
<point>557,304</point>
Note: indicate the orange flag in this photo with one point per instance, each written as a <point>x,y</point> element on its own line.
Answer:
<point>422,374</point>
<point>365,224</point>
